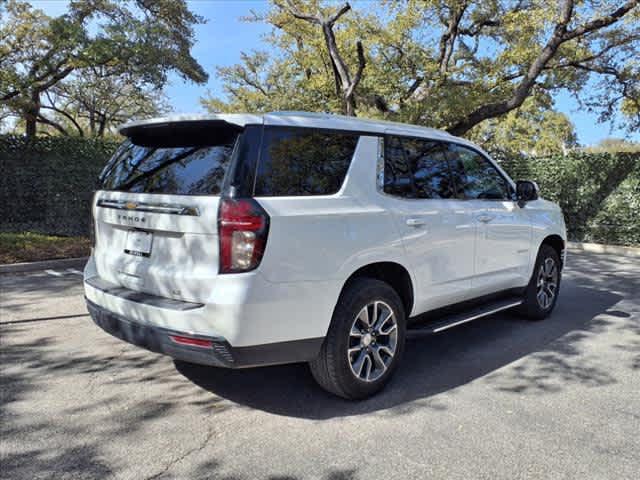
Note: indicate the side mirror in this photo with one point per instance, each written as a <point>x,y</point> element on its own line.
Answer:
<point>526,191</point>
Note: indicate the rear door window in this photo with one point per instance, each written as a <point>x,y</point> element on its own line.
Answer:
<point>416,168</point>
<point>303,161</point>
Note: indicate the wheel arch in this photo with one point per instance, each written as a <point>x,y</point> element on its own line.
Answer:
<point>392,273</point>
<point>557,243</point>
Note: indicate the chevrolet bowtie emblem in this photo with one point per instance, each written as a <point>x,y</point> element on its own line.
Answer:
<point>131,205</point>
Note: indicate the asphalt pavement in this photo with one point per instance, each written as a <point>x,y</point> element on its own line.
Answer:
<point>499,398</point>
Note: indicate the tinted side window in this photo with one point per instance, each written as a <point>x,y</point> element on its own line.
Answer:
<point>475,177</point>
<point>429,167</point>
<point>299,161</point>
<point>398,180</point>
<point>416,168</point>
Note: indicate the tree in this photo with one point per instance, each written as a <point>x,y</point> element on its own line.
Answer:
<point>614,145</point>
<point>450,64</point>
<point>534,129</point>
<point>93,102</point>
<point>144,38</point>
<point>346,83</point>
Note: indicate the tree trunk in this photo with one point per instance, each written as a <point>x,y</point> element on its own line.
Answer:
<point>101,126</point>
<point>92,123</point>
<point>350,106</point>
<point>31,115</point>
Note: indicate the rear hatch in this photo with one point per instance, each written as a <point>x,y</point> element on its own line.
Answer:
<point>157,205</point>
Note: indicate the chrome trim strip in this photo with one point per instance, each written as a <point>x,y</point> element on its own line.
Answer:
<point>170,208</point>
<point>476,316</point>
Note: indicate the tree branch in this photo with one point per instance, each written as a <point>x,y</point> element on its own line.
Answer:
<point>560,35</point>
<point>448,39</point>
<point>334,18</point>
<point>67,116</point>
<point>57,126</point>
<point>344,82</point>
<point>291,8</point>
<point>601,22</point>
<point>362,63</point>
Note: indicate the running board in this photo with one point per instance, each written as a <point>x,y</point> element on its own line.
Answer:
<point>456,319</point>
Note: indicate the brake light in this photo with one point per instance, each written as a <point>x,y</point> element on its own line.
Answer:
<point>243,227</point>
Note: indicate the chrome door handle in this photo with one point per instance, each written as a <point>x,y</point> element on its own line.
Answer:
<point>415,222</point>
<point>485,218</point>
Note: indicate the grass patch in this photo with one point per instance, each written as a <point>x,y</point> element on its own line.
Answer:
<point>31,247</point>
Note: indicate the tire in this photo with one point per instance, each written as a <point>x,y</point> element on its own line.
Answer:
<point>537,305</point>
<point>349,341</point>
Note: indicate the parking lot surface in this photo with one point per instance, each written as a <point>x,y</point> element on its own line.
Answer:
<point>500,398</point>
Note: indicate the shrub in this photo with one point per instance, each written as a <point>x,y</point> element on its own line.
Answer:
<point>46,186</point>
<point>598,192</point>
<point>47,183</point>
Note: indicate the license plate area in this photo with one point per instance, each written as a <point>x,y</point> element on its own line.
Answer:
<point>138,243</point>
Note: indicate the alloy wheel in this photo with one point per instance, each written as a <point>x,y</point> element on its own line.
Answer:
<point>547,284</point>
<point>373,341</point>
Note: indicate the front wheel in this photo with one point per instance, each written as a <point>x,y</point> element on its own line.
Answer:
<point>365,340</point>
<point>542,292</point>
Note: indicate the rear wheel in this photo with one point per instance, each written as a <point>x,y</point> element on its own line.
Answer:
<point>365,340</point>
<point>542,292</point>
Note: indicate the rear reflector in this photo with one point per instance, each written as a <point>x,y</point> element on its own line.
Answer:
<point>193,342</point>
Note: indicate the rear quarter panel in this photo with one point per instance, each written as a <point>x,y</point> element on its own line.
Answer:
<point>322,240</point>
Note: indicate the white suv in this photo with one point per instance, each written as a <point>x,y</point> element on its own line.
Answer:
<point>246,240</point>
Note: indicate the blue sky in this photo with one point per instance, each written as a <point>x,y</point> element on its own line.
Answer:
<point>224,36</point>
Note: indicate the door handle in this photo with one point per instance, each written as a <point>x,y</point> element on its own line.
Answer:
<point>415,222</point>
<point>484,218</point>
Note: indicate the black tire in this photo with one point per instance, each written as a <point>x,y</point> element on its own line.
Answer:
<point>332,369</point>
<point>533,308</point>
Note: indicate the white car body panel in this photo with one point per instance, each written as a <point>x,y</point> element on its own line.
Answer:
<point>315,244</point>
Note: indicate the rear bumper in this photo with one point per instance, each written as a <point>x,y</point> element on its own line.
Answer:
<point>219,354</point>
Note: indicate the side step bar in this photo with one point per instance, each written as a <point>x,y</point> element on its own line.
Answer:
<point>456,319</point>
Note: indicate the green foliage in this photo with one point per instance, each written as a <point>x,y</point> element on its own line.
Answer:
<point>94,102</point>
<point>535,129</point>
<point>140,39</point>
<point>47,184</point>
<point>446,64</point>
<point>599,193</point>
<point>614,145</point>
<point>31,247</point>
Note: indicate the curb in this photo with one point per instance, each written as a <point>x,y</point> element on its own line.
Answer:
<point>603,248</point>
<point>34,266</point>
<point>81,262</point>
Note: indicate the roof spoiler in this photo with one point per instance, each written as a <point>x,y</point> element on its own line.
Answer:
<point>182,133</point>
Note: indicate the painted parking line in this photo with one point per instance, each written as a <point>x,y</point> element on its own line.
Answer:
<point>54,273</point>
<point>68,271</point>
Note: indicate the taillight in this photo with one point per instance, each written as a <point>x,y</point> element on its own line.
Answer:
<point>243,227</point>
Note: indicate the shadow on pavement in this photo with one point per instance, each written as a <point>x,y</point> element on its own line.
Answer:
<point>437,363</point>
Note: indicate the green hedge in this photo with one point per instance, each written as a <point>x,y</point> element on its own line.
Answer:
<point>46,184</point>
<point>599,192</point>
<point>46,187</point>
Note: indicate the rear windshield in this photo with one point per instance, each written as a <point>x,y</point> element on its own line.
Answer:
<point>177,160</point>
